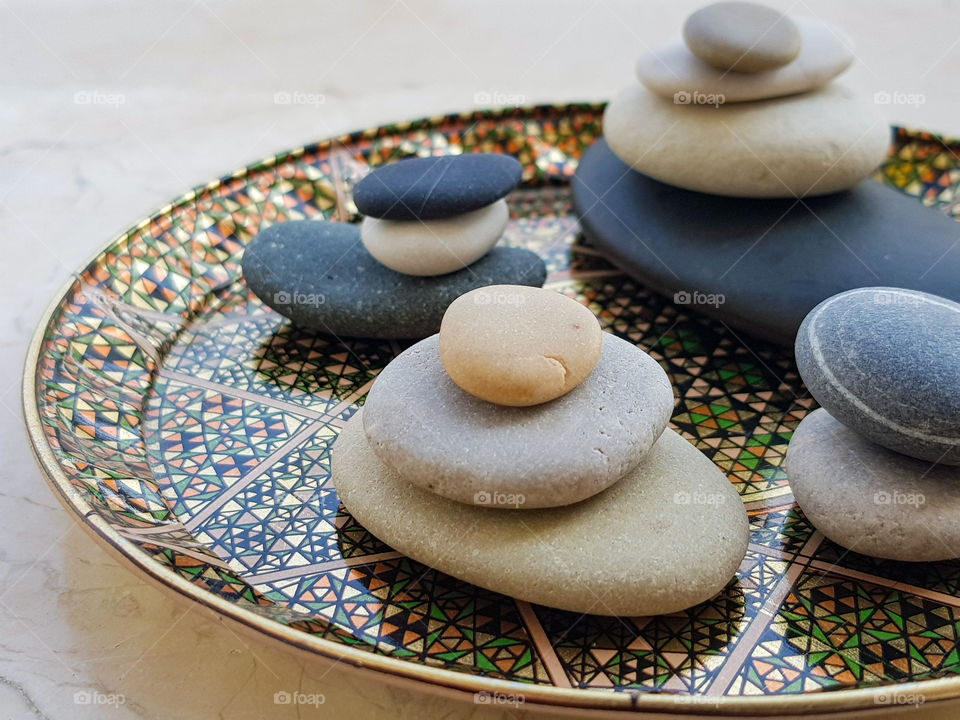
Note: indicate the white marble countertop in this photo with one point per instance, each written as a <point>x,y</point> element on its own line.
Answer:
<point>109,109</point>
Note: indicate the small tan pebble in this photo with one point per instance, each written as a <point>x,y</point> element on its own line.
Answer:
<point>518,346</point>
<point>742,36</point>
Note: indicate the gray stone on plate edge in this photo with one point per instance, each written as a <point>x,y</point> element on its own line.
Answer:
<point>318,274</point>
<point>772,260</point>
<point>870,499</point>
<point>886,362</point>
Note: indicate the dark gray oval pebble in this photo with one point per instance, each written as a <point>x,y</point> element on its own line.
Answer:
<point>319,275</point>
<point>762,265</point>
<point>886,363</point>
<point>436,187</point>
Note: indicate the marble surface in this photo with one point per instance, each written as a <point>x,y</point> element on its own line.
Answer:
<point>109,109</point>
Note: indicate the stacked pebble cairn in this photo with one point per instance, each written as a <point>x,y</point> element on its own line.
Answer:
<point>524,450</point>
<point>429,236</point>
<point>877,468</point>
<point>741,106</point>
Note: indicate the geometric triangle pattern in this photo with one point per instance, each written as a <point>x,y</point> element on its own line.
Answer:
<point>680,652</point>
<point>833,632</point>
<point>270,358</point>
<point>422,613</point>
<point>198,422</point>
<point>202,441</point>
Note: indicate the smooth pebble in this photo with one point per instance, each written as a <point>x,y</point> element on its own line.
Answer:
<point>886,362</point>
<point>672,533</point>
<point>319,275</point>
<point>675,73</point>
<point>798,146</point>
<point>435,247</point>
<point>449,442</point>
<point>515,345</point>
<point>742,36</point>
<point>436,187</point>
<point>870,499</point>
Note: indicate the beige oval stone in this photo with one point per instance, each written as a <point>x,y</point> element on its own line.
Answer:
<point>675,73</point>
<point>518,346</point>
<point>742,36</point>
<point>669,535</point>
<point>435,247</point>
<point>802,145</point>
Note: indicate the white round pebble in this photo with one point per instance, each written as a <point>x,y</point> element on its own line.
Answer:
<point>435,247</point>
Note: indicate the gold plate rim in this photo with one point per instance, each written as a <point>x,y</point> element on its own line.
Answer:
<point>845,700</point>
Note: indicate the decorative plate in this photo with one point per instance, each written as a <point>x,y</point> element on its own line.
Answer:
<point>188,427</point>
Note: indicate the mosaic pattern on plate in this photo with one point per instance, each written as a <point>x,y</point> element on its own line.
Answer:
<point>198,423</point>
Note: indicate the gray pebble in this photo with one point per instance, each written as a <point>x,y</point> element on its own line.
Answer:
<point>438,436</point>
<point>319,275</point>
<point>872,500</point>
<point>886,362</point>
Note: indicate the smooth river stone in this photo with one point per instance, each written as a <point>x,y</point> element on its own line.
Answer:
<point>319,275</point>
<point>435,247</point>
<point>676,73</point>
<point>798,146</point>
<point>436,187</point>
<point>742,36</point>
<point>518,346</point>
<point>669,535</point>
<point>441,438</point>
<point>769,261</point>
<point>886,362</point>
<point>870,499</point>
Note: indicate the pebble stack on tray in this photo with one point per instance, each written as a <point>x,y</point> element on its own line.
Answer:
<point>521,444</point>
<point>429,237</point>
<point>877,468</point>
<point>734,177</point>
<point>746,93</point>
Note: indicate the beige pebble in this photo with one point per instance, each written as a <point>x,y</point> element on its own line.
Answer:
<point>669,535</point>
<point>435,247</point>
<point>742,36</point>
<point>798,146</point>
<point>518,346</point>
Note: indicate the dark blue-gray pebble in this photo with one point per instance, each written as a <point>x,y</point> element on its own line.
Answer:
<point>319,275</point>
<point>760,265</point>
<point>886,363</point>
<point>436,187</point>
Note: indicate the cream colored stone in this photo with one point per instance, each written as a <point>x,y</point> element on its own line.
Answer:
<point>435,247</point>
<point>742,36</point>
<point>797,146</point>
<point>669,535</point>
<point>518,346</point>
<point>674,72</point>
